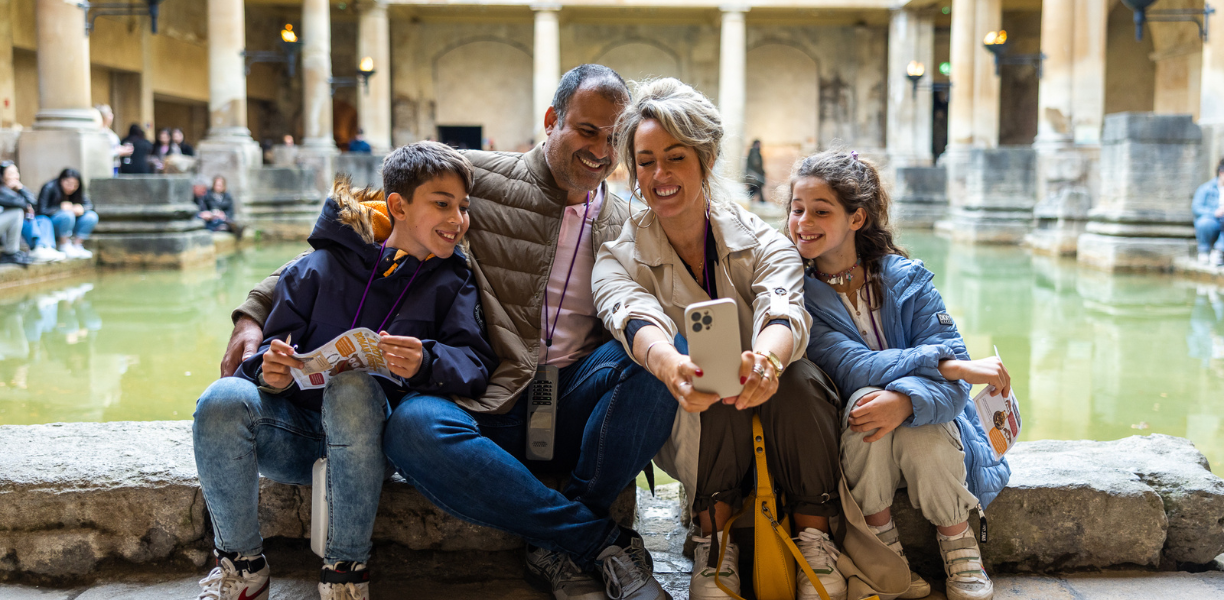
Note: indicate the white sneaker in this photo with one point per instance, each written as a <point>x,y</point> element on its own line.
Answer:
<point>75,251</point>
<point>918,588</point>
<point>962,560</point>
<point>245,578</point>
<point>1216,259</point>
<point>701,584</point>
<point>46,254</point>
<point>1203,258</point>
<point>345,580</point>
<point>821,555</point>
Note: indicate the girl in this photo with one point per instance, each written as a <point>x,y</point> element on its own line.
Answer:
<point>881,331</point>
<point>65,211</point>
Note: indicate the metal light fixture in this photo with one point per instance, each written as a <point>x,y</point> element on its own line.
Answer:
<point>290,46</point>
<point>997,43</point>
<point>1187,15</point>
<point>915,70</point>
<point>93,10</point>
<point>365,70</point>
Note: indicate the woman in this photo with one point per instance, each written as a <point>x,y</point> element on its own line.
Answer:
<point>136,163</point>
<point>880,329</point>
<point>63,205</point>
<point>217,207</point>
<point>16,203</point>
<point>694,244</point>
<point>163,149</point>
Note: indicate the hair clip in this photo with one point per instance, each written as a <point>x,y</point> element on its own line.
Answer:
<point>854,154</point>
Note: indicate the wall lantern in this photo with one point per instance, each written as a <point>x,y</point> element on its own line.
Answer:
<point>365,70</point>
<point>915,71</point>
<point>93,10</point>
<point>290,46</point>
<point>1187,15</point>
<point>996,42</point>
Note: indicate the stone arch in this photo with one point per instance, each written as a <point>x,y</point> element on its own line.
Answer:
<point>636,59</point>
<point>782,106</point>
<point>486,82</point>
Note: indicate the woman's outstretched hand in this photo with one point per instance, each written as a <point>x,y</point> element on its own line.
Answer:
<point>882,411</point>
<point>758,387</point>
<point>989,370</point>
<point>677,371</point>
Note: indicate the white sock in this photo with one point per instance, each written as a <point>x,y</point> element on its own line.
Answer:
<point>964,534</point>
<point>889,526</point>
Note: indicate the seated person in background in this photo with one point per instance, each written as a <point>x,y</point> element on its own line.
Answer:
<point>63,205</point>
<point>1208,219</point>
<point>176,137</point>
<point>421,297</point>
<point>15,203</point>
<point>359,144</point>
<point>217,207</point>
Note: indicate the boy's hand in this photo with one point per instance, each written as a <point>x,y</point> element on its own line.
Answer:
<point>403,353</point>
<point>276,363</point>
<point>882,411</point>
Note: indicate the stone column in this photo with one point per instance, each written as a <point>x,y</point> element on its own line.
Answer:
<point>1149,170</point>
<point>963,48</point>
<point>8,93</point>
<point>374,103</point>
<point>733,58</point>
<point>318,148</point>
<point>919,191</point>
<point>1211,105</point>
<point>228,149</point>
<point>988,16</point>
<point>67,130</point>
<point>547,63</point>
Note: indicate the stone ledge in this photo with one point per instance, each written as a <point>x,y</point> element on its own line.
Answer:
<point>79,498</point>
<point>14,276</point>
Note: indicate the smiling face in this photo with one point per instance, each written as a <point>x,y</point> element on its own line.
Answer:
<point>434,221</point>
<point>669,173</point>
<point>820,225</point>
<point>579,147</point>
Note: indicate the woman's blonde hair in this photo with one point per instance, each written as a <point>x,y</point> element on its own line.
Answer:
<point>685,114</point>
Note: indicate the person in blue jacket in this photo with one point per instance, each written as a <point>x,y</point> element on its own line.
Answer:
<point>417,291</point>
<point>1208,219</point>
<point>881,332</point>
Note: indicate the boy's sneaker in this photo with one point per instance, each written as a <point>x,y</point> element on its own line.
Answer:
<point>628,570</point>
<point>45,254</point>
<point>237,578</point>
<point>918,588</point>
<point>702,585</point>
<point>555,572</point>
<point>344,580</point>
<point>962,561</point>
<point>821,555</point>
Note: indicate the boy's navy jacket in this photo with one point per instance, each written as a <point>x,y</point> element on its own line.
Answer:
<point>317,296</point>
<point>918,338</point>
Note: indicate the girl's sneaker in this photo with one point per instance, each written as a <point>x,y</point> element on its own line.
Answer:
<point>962,560</point>
<point>237,578</point>
<point>918,588</point>
<point>344,580</point>
<point>701,584</point>
<point>821,555</point>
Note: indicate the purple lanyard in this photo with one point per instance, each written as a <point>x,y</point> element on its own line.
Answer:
<point>871,317</point>
<point>705,255</point>
<point>548,338</point>
<point>397,300</point>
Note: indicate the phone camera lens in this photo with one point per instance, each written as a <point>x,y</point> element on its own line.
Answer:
<point>696,316</point>
<point>696,326</point>
<point>707,321</point>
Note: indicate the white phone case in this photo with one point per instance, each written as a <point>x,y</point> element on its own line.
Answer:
<point>318,507</point>
<point>713,333</point>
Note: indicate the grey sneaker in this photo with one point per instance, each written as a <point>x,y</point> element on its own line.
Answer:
<point>962,560</point>
<point>628,571</point>
<point>555,572</point>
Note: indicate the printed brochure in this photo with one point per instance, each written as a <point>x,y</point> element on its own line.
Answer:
<point>999,419</point>
<point>353,350</point>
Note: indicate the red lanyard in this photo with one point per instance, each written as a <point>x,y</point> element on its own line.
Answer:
<point>548,332</point>
<point>382,248</point>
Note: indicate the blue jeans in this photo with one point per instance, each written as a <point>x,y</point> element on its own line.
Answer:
<point>241,432</point>
<point>67,224</point>
<point>38,232</point>
<point>612,418</point>
<point>1207,232</point>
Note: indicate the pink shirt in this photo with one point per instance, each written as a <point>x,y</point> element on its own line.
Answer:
<point>576,327</point>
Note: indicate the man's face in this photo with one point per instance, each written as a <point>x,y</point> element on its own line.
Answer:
<point>579,148</point>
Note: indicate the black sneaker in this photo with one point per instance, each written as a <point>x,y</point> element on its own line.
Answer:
<point>556,573</point>
<point>628,570</point>
<point>16,258</point>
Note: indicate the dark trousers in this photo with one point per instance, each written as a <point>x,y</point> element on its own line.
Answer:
<point>800,424</point>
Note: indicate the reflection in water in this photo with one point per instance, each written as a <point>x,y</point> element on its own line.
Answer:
<point>121,345</point>
<point>1092,356</point>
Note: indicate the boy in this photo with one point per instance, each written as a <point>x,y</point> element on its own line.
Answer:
<point>417,292</point>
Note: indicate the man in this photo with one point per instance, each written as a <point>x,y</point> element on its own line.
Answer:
<point>537,221</point>
<point>359,144</point>
<point>1208,219</point>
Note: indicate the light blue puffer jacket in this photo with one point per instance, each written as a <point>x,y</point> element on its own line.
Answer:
<point>918,340</point>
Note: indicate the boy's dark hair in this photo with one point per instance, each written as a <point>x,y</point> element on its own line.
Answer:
<point>603,80</point>
<point>407,167</point>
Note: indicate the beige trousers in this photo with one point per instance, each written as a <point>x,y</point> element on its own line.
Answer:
<point>929,460</point>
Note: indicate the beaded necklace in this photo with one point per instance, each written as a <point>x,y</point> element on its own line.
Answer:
<point>841,278</point>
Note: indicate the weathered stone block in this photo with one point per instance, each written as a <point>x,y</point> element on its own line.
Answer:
<point>1121,253</point>
<point>991,192</point>
<point>284,202</point>
<point>1068,181</point>
<point>920,196</point>
<point>149,220</point>
<point>365,170</point>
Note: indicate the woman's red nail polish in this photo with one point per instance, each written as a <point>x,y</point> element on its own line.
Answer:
<point>743,380</point>
<point>700,373</point>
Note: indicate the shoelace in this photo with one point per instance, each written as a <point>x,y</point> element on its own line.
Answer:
<point>819,550</point>
<point>618,567</point>
<point>560,568</point>
<point>219,581</point>
<point>726,568</point>
<point>346,591</point>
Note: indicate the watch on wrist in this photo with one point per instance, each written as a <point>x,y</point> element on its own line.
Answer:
<point>773,360</point>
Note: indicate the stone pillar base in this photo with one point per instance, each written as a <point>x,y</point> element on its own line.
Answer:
<point>1068,181</point>
<point>920,197</point>
<point>284,203</point>
<point>8,142</point>
<point>45,152</point>
<point>985,226</point>
<point>993,191</point>
<point>1055,237</point>
<point>149,221</point>
<point>231,158</point>
<point>176,250</point>
<point>1117,253</point>
<point>321,160</point>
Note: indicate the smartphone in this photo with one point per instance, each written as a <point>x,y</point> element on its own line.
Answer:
<point>713,333</point>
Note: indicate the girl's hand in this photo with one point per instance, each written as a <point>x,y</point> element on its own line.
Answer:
<point>78,210</point>
<point>66,205</point>
<point>989,370</point>
<point>276,363</point>
<point>403,353</point>
<point>677,371</point>
<point>757,388</point>
<point>881,411</point>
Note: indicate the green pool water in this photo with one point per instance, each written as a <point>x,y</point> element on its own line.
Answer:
<point>1092,356</point>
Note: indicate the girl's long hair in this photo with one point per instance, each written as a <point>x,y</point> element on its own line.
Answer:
<point>857,184</point>
<point>76,196</point>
